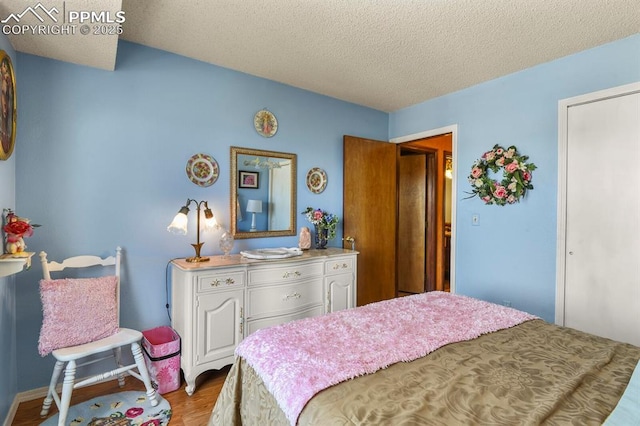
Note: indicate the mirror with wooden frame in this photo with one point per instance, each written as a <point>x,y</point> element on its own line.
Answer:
<point>263,193</point>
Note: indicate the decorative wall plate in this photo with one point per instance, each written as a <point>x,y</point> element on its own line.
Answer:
<point>316,180</point>
<point>202,170</point>
<point>265,123</point>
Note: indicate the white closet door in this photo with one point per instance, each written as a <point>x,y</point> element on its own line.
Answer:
<point>602,284</point>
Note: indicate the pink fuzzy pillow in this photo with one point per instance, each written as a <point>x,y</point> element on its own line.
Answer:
<point>76,311</point>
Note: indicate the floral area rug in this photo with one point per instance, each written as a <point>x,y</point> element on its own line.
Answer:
<point>130,408</point>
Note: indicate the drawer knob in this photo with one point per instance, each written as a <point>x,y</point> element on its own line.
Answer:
<point>215,283</point>
<point>290,274</point>
<point>230,281</point>
<point>343,266</point>
<point>295,295</point>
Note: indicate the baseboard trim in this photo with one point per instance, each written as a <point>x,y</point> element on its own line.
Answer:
<point>12,412</point>
<point>32,394</point>
<point>24,397</point>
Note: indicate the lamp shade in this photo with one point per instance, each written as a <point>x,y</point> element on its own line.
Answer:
<point>254,206</point>
<point>179,223</point>
<point>210,223</point>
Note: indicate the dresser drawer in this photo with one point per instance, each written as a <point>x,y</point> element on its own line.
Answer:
<point>255,325</point>
<point>219,280</point>
<point>283,274</point>
<point>274,300</point>
<point>339,266</point>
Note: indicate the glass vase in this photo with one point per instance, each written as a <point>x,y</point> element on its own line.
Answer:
<point>321,237</point>
<point>226,243</point>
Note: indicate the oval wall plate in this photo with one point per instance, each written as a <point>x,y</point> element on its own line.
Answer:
<point>316,180</point>
<point>265,123</point>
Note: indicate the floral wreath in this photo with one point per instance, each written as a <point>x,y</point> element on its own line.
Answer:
<point>516,176</point>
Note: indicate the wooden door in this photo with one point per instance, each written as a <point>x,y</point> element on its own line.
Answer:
<point>412,203</point>
<point>437,148</point>
<point>432,264</point>
<point>369,216</point>
<point>602,284</point>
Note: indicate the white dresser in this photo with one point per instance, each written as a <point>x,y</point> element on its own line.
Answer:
<point>215,304</point>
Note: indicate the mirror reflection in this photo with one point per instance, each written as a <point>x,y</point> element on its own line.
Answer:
<point>263,193</point>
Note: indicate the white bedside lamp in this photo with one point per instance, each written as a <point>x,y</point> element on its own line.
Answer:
<point>253,207</point>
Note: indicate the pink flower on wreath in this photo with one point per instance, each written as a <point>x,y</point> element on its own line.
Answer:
<point>499,151</point>
<point>476,172</point>
<point>512,167</point>
<point>526,176</point>
<point>500,192</point>
<point>486,199</point>
<point>511,199</point>
<point>490,155</point>
<point>500,162</point>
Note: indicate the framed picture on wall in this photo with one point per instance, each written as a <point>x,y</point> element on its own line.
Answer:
<point>248,179</point>
<point>8,107</point>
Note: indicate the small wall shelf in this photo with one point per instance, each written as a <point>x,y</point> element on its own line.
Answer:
<point>13,263</point>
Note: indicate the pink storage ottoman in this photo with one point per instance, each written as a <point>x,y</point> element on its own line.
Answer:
<point>161,347</point>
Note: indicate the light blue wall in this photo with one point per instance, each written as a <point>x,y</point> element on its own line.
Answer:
<point>103,158</point>
<point>8,363</point>
<point>101,162</point>
<point>511,255</point>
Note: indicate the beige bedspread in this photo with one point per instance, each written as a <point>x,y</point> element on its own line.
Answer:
<point>534,373</point>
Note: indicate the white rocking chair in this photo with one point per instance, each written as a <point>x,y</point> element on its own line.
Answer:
<point>112,345</point>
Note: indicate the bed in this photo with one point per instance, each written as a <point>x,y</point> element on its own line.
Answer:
<point>429,359</point>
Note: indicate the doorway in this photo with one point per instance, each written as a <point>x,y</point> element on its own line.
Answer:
<point>370,211</point>
<point>425,172</point>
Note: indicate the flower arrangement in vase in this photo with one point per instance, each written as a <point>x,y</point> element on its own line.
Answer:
<point>324,224</point>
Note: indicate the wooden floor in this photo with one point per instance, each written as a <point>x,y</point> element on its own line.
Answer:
<point>187,410</point>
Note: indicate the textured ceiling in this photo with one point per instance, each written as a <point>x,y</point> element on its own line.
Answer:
<point>384,54</point>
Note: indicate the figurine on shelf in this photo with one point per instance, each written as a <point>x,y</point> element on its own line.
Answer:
<point>305,238</point>
<point>15,229</point>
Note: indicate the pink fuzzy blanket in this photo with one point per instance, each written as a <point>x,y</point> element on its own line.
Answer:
<point>298,359</point>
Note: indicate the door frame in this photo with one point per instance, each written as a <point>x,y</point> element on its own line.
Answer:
<point>563,136</point>
<point>453,129</point>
